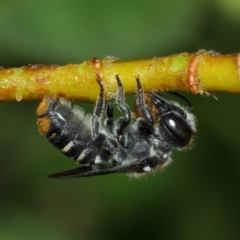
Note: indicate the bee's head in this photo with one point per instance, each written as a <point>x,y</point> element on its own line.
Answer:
<point>176,124</point>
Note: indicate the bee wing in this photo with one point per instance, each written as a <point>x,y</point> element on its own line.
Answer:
<point>87,171</point>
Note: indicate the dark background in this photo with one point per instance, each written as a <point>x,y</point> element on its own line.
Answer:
<point>197,197</point>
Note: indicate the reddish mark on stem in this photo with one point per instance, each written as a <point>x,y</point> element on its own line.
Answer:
<point>238,65</point>
<point>193,80</point>
<point>36,67</point>
<point>61,95</point>
<point>97,66</point>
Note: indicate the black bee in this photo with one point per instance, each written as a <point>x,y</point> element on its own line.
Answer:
<point>138,143</point>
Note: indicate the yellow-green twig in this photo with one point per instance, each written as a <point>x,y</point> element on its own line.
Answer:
<point>198,73</point>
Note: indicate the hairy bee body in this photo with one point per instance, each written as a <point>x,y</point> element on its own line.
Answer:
<point>136,146</point>
<point>67,128</point>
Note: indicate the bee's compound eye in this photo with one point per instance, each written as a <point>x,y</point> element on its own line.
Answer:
<point>178,127</point>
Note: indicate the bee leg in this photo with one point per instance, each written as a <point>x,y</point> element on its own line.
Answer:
<point>140,100</point>
<point>151,164</point>
<point>98,150</point>
<point>98,111</point>
<point>110,119</point>
<point>122,122</point>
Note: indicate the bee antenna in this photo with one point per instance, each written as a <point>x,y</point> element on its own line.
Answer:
<point>183,98</point>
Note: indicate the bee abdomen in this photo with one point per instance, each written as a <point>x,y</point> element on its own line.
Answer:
<point>67,128</point>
